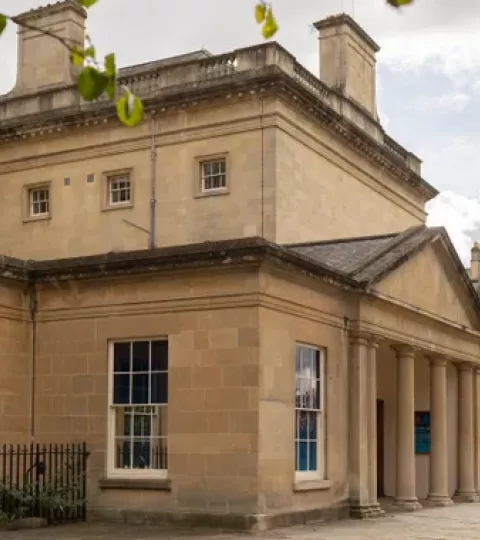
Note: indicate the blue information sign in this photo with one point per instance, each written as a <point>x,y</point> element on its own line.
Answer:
<point>422,432</point>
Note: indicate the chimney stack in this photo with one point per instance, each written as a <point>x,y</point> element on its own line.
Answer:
<point>43,61</point>
<point>475,263</point>
<point>347,60</point>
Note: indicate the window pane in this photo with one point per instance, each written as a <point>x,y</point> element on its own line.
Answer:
<point>141,454</point>
<point>298,363</point>
<point>140,355</point>
<point>121,389</point>
<point>312,426</point>
<point>159,388</point>
<point>121,357</point>
<point>312,456</point>
<point>122,454</point>
<point>140,388</point>
<point>142,425</point>
<point>302,456</point>
<point>159,454</point>
<point>302,425</point>
<point>159,355</point>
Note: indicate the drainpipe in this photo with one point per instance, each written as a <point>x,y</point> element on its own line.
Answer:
<point>33,389</point>
<point>262,128</point>
<point>153,200</point>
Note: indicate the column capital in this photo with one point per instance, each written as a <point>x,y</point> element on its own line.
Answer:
<point>404,350</point>
<point>375,341</point>
<point>436,359</point>
<point>465,366</point>
<point>372,340</point>
<point>358,338</point>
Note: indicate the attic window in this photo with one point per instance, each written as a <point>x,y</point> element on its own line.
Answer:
<point>39,201</point>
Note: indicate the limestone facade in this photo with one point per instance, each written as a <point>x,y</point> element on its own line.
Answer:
<point>299,313</point>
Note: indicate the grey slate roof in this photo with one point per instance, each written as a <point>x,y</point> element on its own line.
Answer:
<point>367,259</point>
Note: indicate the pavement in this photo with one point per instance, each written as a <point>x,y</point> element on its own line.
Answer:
<point>458,522</point>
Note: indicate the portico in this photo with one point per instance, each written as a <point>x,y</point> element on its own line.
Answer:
<point>414,365</point>
<point>448,470</point>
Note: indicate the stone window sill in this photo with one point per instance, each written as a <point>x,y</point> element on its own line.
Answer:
<point>312,485</point>
<point>155,484</point>
<point>211,193</point>
<point>40,217</point>
<point>120,206</point>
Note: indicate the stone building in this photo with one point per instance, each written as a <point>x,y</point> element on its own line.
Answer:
<point>237,305</point>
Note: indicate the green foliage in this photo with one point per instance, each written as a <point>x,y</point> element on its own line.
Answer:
<point>87,3</point>
<point>91,83</point>
<point>3,23</point>
<point>399,3</point>
<point>48,501</point>
<point>129,109</point>
<point>94,80</point>
<point>264,16</point>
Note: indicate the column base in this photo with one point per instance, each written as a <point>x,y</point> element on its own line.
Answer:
<point>407,505</point>
<point>466,496</point>
<point>366,511</point>
<point>438,500</point>
<point>376,510</point>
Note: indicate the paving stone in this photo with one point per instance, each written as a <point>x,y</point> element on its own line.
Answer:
<point>459,522</point>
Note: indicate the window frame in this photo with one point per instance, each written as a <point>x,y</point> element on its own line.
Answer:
<point>108,177</point>
<point>320,472</point>
<point>200,161</point>
<point>27,189</point>
<point>112,471</point>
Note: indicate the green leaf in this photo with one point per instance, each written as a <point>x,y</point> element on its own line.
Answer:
<point>270,26</point>
<point>91,83</point>
<point>87,3</point>
<point>77,56</point>
<point>130,109</point>
<point>260,12</point>
<point>3,23</point>
<point>111,73</point>
<point>399,3</point>
<point>89,52</point>
<point>110,89</point>
<point>110,67</point>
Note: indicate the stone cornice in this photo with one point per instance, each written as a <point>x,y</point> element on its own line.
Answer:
<point>245,252</point>
<point>219,79</point>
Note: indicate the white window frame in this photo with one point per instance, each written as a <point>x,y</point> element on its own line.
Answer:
<point>204,177</point>
<point>112,471</point>
<point>319,473</point>
<point>114,177</point>
<point>31,202</point>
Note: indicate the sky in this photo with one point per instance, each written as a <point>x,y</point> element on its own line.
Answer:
<point>428,72</point>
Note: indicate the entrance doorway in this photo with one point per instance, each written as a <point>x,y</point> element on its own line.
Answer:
<point>380,449</point>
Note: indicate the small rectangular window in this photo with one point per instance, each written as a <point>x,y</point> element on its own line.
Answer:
<point>138,408</point>
<point>214,175</point>
<point>309,413</point>
<point>119,189</point>
<point>39,201</point>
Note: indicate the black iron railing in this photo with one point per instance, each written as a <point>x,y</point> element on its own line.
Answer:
<point>46,481</point>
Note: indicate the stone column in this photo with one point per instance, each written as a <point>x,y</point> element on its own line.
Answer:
<point>358,440</point>
<point>476,384</point>
<point>405,481</point>
<point>375,509</point>
<point>438,489</point>
<point>466,468</point>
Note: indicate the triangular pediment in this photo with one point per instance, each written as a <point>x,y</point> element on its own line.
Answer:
<point>431,281</point>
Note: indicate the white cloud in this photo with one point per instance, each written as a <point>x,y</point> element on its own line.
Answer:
<point>453,53</point>
<point>460,216</point>
<point>446,103</point>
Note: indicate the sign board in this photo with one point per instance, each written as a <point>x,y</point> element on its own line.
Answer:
<point>422,432</point>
